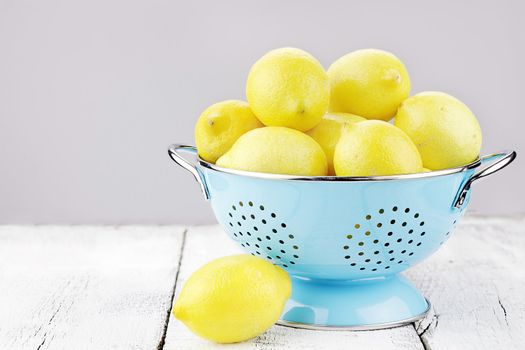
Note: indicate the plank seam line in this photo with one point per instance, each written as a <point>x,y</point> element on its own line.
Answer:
<point>433,323</point>
<point>162,341</point>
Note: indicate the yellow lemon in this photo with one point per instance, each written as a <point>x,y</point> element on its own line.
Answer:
<point>288,87</point>
<point>444,129</point>
<point>327,133</point>
<point>233,299</point>
<point>375,148</point>
<point>220,125</point>
<point>370,83</point>
<point>276,150</point>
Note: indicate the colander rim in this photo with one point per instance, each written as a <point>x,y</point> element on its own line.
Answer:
<point>428,174</point>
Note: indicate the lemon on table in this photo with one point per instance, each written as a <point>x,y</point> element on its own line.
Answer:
<point>371,83</point>
<point>375,148</point>
<point>327,133</point>
<point>276,150</point>
<point>220,125</point>
<point>444,129</point>
<point>233,299</point>
<point>288,87</point>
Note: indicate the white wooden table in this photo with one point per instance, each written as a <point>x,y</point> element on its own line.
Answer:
<point>85,287</point>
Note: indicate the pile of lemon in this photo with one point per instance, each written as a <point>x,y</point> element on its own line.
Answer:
<point>303,120</point>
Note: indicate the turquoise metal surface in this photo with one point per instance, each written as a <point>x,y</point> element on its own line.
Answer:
<point>344,243</point>
<point>358,303</point>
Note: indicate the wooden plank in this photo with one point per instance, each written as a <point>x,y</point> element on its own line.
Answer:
<point>476,285</point>
<point>86,287</point>
<point>206,243</point>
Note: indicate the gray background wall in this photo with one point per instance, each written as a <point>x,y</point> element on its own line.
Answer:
<point>92,92</point>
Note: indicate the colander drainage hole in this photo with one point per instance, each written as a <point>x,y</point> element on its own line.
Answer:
<point>240,203</point>
<point>390,233</point>
<point>243,217</point>
<point>362,268</point>
<point>274,230</point>
<point>296,256</point>
<point>347,257</point>
<point>400,262</point>
<point>353,264</point>
<point>292,262</point>
<point>252,216</point>
<point>361,254</point>
<point>291,236</point>
<point>263,221</point>
<point>418,244</point>
<point>367,260</point>
<point>250,204</point>
<point>233,207</point>
<point>283,251</point>
<point>392,221</point>
<point>257,245</point>
<point>423,233</point>
<point>273,215</point>
<point>411,253</point>
<point>410,231</point>
<point>261,207</point>
<point>268,238</point>
<point>381,211</point>
<point>295,247</point>
<point>285,265</point>
<point>394,209</point>
<point>281,241</point>
<point>230,214</point>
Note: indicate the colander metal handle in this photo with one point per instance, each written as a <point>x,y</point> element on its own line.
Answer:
<point>489,165</point>
<point>174,153</point>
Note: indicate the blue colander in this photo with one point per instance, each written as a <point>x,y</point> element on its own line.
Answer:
<point>343,240</point>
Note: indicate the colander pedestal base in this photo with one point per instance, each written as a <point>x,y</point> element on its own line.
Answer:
<point>372,303</point>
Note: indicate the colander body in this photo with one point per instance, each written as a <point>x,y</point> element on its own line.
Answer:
<point>343,241</point>
<point>337,230</point>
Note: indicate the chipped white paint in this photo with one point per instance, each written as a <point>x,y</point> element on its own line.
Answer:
<point>111,288</point>
<point>206,243</point>
<point>86,287</point>
<point>476,284</point>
